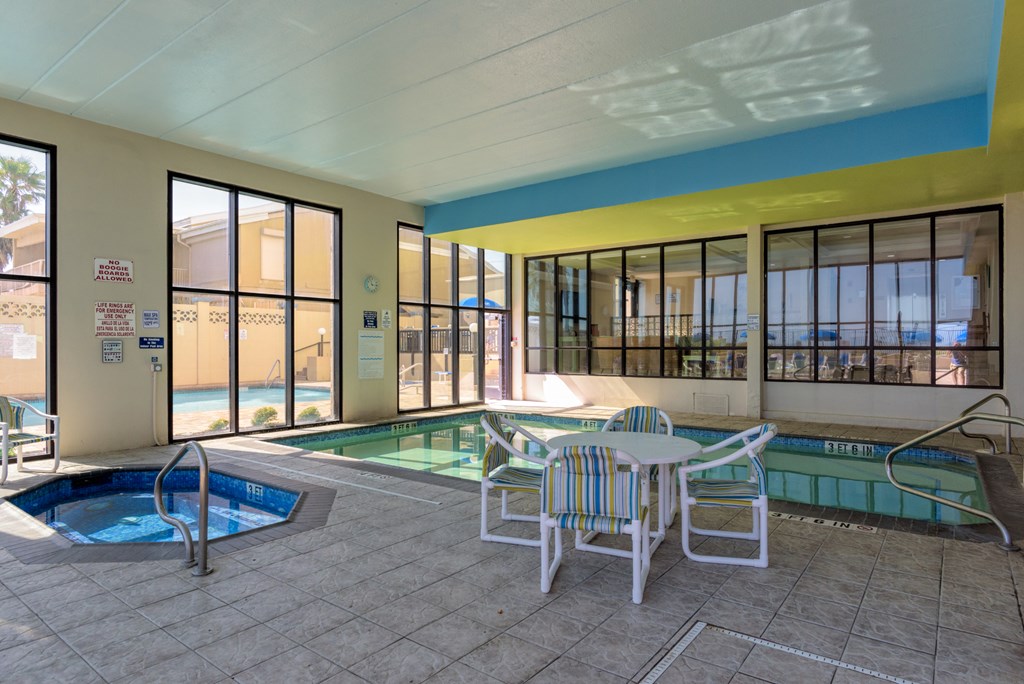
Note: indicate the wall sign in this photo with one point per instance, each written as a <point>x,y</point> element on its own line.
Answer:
<point>113,270</point>
<point>150,318</point>
<point>115,319</point>
<point>753,321</point>
<point>371,355</point>
<point>385,319</point>
<point>369,319</point>
<point>850,448</point>
<point>151,343</point>
<point>113,351</point>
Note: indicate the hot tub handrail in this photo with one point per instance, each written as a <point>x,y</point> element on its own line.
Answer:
<point>1006,410</point>
<point>200,567</point>
<point>1007,544</point>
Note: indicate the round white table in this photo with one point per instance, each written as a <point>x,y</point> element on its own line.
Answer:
<point>648,448</point>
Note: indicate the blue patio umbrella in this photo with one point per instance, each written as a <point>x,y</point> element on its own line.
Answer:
<point>823,334</point>
<point>768,335</point>
<point>912,336</point>
<point>475,301</point>
<point>961,337</point>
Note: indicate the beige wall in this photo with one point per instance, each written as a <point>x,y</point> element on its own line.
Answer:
<point>112,202</point>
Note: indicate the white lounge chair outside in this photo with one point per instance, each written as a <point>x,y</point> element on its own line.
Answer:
<point>14,436</point>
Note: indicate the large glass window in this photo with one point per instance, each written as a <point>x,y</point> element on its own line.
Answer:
<point>913,301</point>
<point>451,349</point>
<point>677,310</point>
<point>26,290</point>
<point>253,328</point>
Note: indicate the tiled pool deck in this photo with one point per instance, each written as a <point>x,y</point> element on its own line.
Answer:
<point>397,587</point>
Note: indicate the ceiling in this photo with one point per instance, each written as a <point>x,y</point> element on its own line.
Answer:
<point>437,101</point>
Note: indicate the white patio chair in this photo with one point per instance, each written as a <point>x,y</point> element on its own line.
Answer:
<point>584,490</point>
<point>498,475</point>
<point>13,435</point>
<point>751,493</point>
<point>648,419</point>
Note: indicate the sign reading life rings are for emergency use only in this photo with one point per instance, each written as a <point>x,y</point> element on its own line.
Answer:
<point>113,270</point>
<point>115,319</point>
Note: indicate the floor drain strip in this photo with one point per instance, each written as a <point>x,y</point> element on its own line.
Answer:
<point>695,631</point>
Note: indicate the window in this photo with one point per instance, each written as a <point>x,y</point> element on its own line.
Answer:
<point>913,301</point>
<point>27,321</point>
<point>452,322</point>
<point>677,310</point>
<point>253,325</point>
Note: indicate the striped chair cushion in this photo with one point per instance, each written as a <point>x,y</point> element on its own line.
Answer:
<point>584,480</point>
<point>516,479</point>
<point>641,419</point>
<point>757,463</point>
<point>723,492</point>
<point>23,438</point>
<point>12,414</point>
<point>596,523</point>
<point>495,455</point>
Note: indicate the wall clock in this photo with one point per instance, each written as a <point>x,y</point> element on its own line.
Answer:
<point>371,284</point>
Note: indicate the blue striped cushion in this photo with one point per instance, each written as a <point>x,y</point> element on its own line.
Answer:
<point>757,463</point>
<point>12,414</point>
<point>23,438</point>
<point>523,479</point>
<point>595,523</point>
<point>495,455</point>
<point>641,419</point>
<point>584,480</point>
<point>723,492</point>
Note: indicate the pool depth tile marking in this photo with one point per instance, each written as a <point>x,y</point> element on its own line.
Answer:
<point>320,477</point>
<point>688,638</point>
<point>823,522</point>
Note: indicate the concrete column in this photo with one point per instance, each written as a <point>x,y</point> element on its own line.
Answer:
<point>755,348</point>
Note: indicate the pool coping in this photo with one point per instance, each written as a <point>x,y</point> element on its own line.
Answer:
<point>30,541</point>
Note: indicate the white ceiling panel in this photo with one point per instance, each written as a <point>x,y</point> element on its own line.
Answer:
<point>432,100</point>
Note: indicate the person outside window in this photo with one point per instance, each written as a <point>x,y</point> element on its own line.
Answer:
<point>958,364</point>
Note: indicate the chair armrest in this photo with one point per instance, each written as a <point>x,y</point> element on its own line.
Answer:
<point>32,408</point>
<point>731,440</point>
<point>528,436</point>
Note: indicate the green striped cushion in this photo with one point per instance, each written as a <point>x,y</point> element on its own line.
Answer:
<point>723,492</point>
<point>524,479</point>
<point>23,438</point>
<point>595,523</point>
<point>12,414</point>
<point>495,455</point>
<point>641,419</point>
<point>584,480</point>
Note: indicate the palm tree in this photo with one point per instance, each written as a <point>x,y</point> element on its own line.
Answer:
<point>20,185</point>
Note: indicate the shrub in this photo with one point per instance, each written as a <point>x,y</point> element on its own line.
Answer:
<point>309,415</point>
<point>264,415</point>
<point>218,424</point>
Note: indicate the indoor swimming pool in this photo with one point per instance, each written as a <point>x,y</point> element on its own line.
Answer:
<point>800,470</point>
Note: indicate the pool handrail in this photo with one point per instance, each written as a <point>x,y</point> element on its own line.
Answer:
<point>1007,411</point>
<point>200,567</point>
<point>1007,543</point>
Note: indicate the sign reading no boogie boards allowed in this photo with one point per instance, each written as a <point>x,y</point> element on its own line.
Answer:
<point>113,270</point>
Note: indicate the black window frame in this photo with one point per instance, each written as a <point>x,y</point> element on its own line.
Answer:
<point>623,348</point>
<point>454,308</point>
<point>233,293</point>
<point>871,347</point>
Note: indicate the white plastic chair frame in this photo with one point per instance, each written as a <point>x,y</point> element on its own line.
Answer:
<point>753,441</point>
<point>638,530</point>
<point>12,437</point>
<point>665,427</point>
<point>502,441</point>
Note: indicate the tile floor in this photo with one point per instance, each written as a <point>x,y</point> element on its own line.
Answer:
<point>397,588</point>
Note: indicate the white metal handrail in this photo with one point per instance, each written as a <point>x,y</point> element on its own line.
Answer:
<point>200,567</point>
<point>978,404</point>
<point>1007,544</point>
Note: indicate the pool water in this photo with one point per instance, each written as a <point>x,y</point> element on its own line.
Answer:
<point>795,473</point>
<point>117,507</point>
<point>253,397</point>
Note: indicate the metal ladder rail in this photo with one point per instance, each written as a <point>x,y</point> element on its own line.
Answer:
<point>1007,544</point>
<point>1007,411</point>
<point>200,567</point>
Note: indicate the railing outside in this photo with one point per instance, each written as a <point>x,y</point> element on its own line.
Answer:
<point>1007,544</point>
<point>201,567</point>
